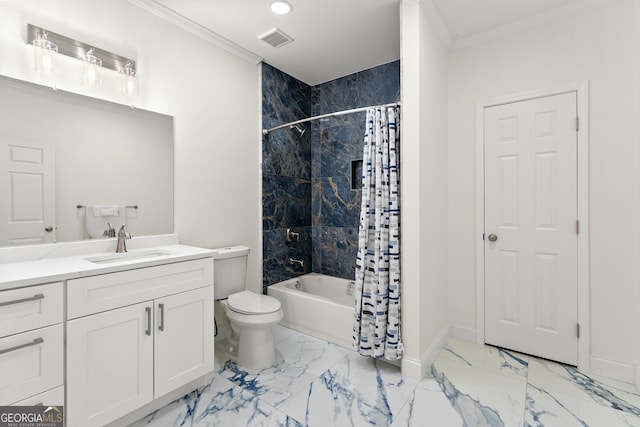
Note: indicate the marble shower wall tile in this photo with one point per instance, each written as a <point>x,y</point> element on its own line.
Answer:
<point>336,142</point>
<point>334,203</point>
<point>315,169</point>
<point>377,85</point>
<point>286,153</point>
<point>286,202</point>
<point>340,143</point>
<point>286,176</point>
<point>334,251</point>
<point>277,252</point>
<point>284,98</point>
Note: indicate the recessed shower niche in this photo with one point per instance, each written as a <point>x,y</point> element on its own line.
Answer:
<point>356,174</point>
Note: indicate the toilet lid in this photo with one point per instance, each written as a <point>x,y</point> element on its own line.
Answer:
<point>247,302</point>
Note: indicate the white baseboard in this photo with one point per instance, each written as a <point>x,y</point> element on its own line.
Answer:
<point>417,369</point>
<point>463,333</point>
<point>615,370</point>
<point>411,368</point>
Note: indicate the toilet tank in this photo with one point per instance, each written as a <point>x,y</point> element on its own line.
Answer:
<point>229,270</point>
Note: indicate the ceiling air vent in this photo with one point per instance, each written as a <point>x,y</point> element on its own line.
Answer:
<point>275,37</point>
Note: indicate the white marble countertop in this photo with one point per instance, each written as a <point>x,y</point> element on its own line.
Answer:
<point>55,268</point>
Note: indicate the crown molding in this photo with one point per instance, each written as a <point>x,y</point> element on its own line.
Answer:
<point>196,29</point>
<point>540,19</point>
<point>434,17</point>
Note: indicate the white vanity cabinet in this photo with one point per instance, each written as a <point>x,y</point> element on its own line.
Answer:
<point>32,345</point>
<point>133,336</point>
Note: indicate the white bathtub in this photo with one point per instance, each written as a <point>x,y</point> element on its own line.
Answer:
<point>318,305</point>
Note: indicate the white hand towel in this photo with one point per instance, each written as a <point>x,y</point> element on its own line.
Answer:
<point>106,210</point>
<point>97,217</point>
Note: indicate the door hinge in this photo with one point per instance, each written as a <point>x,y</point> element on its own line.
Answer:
<point>577,123</point>
<point>577,226</point>
<point>578,330</point>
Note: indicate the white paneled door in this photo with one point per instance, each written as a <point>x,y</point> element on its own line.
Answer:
<point>27,189</point>
<point>531,240</point>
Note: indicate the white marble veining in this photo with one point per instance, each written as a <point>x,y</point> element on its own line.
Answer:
<point>57,262</point>
<point>315,383</point>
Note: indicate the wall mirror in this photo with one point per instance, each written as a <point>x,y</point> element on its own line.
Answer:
<point>62,154</point>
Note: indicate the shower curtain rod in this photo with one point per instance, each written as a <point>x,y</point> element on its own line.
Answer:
<point>322,116</point>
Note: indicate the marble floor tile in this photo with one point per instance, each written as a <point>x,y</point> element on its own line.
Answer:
<point>428,404</point>
<point>280,333</point>
<point>301,360</point>
<point>552,409</point>
<point>356,391</point>
<point>219,403</point>
<point>494,359</point>
<point>280,419</point>
<point>479,396</point>
<point>315,383</point>
<point>569,381</point>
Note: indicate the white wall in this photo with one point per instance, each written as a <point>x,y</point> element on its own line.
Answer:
<point>601,47</point>
<point>424,188</point>
<point>637,112</point>
<point>213,96</point>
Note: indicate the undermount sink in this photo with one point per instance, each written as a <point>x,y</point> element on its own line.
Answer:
<point>126,256</point>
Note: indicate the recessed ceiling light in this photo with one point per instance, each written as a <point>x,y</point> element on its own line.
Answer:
<point>281,7</point>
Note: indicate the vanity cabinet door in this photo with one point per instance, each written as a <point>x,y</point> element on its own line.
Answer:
<point>183,338</point>
<point>109,365</point>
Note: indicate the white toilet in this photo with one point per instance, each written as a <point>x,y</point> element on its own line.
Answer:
<point>251,315</point>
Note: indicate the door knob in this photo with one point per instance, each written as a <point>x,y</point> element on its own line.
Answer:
<point>48,229</point>
<point>493,237</point>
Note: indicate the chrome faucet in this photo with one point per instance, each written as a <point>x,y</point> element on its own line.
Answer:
<point>110,231</point>
<point>122,236</point>
<point>297,261</point>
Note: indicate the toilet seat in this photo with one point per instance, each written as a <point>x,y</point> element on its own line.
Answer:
<point>247,302</point>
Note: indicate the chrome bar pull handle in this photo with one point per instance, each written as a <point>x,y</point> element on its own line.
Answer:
<point>161,326</point>
<point>21,346</point>
<point>19,301</point>
<point>148,311</point>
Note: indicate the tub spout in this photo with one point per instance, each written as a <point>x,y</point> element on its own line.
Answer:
<point>297,261</point>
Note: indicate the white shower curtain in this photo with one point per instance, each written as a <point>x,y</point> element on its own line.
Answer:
<point>376,329</point>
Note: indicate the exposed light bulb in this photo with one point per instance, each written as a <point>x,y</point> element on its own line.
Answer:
<point>128,80</point>
<point>46,54</point>
<point>91,74</point>
<point>47,63</point>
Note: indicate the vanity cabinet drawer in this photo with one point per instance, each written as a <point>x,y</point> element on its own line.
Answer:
<point>30,363</point>
<point>53,397</point>
<point>30,308</point>
<point>95,294</point>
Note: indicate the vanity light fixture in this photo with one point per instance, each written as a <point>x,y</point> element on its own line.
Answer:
<point>92,58</point>
<point>128,80</point>
<point>281,7</point>
<point>92,69</point>
<point>45,54</point>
